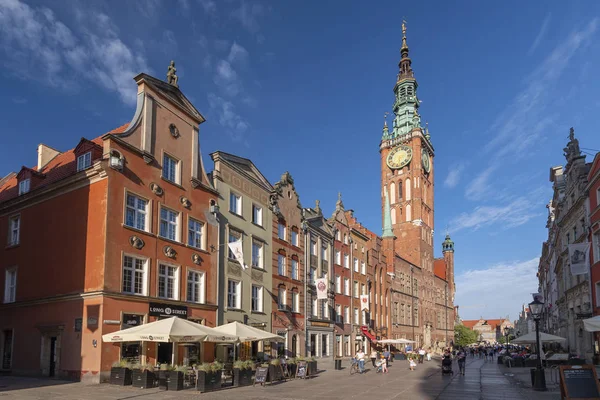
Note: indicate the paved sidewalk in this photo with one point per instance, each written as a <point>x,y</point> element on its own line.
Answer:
<point>483,381</point>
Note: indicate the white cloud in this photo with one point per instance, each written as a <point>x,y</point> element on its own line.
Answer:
<point>479,186</point>
<point>496,291</point>
<point>209,6</point>
<point>227,79</point>
<point>38,46</point>
<point>234,124</point>
<point>540,35</point>
<point>515,213</point>
<point>237,54</point>
<point>248,15</point>
<point>169,43</point>
<point>454,176</point>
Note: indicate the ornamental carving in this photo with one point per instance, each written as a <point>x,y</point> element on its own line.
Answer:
<point>234,269</point>
<point>157,190</point>
<point>196,259</point>
<point>174,131</point>
<point>185,201</point>
<point>169,251</point>
<point>136,242</point>
<point>257,276</point>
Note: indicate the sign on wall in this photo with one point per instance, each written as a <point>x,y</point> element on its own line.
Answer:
<point>167,310</point>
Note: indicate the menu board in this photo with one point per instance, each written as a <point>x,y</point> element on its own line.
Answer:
<point>260,376</point>
<point>579,382</point>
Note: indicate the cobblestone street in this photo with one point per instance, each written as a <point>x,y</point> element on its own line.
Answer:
<point>483,380</point>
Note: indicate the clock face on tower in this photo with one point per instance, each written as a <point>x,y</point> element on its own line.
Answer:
<point>425,160</point>
<point>399,157</point>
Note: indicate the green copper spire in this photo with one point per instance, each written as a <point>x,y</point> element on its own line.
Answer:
<point>406,104</point>
<point>387,219</point>
<point>448,244</point>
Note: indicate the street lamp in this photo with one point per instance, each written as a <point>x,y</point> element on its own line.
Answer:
<point>506,333</point>
<point>537,307</point>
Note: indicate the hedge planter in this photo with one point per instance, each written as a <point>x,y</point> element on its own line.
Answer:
<point>175,380</point>
<point>120,376</point>
<point>208,381</point>
<point>143,379</point>
<point>163,379</point>
<point>242,377</point>
<point>274,373</point>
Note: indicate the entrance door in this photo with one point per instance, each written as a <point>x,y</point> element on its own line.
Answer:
<point>7,349</point>
<point>324,340</point>
<point>313,345</point>
<point>294,345</point>
<point>165,352</point>
<point>52,356</point>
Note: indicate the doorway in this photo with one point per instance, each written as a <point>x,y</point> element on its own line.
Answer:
<point>324,340</point>
<point>164,353</point>
<point>7,349</point>
<point>313,345</point>
<point>52,367</point>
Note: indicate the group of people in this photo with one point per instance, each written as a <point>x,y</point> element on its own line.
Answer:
<point>378,359</point>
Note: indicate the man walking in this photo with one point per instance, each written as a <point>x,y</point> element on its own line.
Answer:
<point>421,355</point>
<point>360,356</point>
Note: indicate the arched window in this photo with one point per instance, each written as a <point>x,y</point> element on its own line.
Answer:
<point>393,212</point>
<point>400,192</point>
<point>407,189</point>
<point>393,193</point>
<point>408,213</point>
<point>294,345</point>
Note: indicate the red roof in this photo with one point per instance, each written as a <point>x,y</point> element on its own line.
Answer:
<point>60,167</point>
<point>470,323</point>
<point>439,268</point>
<point>491,322</point>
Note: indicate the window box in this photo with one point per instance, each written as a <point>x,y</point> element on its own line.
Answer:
<point>143,379</point>
<point>208,381</point>
<point>121,376</point>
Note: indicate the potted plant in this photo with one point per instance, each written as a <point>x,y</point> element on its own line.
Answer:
<point>209,376</point>
<point>175,377</point>
<point>292,365</point>
<point>120,373</point>
<point>274,370</point>
<point>163,377</point>
<point>312,366</point>
<point>242,373</point>
<point>143,376</point>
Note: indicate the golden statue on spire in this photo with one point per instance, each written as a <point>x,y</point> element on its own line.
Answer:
<point>404,27</point>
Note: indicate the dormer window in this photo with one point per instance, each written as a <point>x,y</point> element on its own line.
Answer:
<point>24,186</point>
<point>84,161</point>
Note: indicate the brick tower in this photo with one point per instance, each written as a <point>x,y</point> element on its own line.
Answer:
<point>407,171</point>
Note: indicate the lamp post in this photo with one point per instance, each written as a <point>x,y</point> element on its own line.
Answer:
<point>536,307</point>
<point>506,333</point>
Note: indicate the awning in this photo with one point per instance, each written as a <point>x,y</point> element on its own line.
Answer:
<point>592,324</point>
<point>172,329</point>
<point>530,338</point>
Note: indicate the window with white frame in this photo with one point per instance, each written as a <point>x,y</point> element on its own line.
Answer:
<point>325,309</point>
<point>338,236</point>
<point>338,257</point>
<point>313,248</point>
<point>135,276</point>
<point>24,186</point>
<point>235,203</point>
<point>257,213</point>
<point>295,302</point>
<point>346,261</point>
<point>356,321</point>
<point>294,272</point>
<point>338,313</point>
<point>234,294</point>
<point>355,293</point>
<point>195,286</point>
<point>10,285</point>
<point>170,170</point>
<point>168,281</point>
<point>257,253</point>
<point>364,317</point>
<point>346,315</point>
<point>355,264</point>
<point>84,161</point>
<point>324,252</point>
<point>363,268</point>
<point>281,264</point>
<point>338,284</point>
<point>257,298</point>
<point>347,286</point>
<point>345,239</point>
<point>136,212</point>
<point>195,229</point>
<point>234,236</point>
<point>294,237</point>
<point>315,307</point>
<point>281,299</point>
<point>169,221</point>
<point>14,230</point>
<point>281,230</point>
<point>363,288</point>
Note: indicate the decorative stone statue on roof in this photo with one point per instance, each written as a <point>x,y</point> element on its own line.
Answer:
<point>572,150</point>
<point>171,77</point>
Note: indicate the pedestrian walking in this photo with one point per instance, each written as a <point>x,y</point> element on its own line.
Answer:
<point>386,355</point>
<point>462,359</point>
<point>360,356</point>
<point>421,355</point>
<point>429,354</point>
<point>384,367</point>
<point>373,357</point>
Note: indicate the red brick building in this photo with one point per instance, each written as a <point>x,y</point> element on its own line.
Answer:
<point>113,233</point>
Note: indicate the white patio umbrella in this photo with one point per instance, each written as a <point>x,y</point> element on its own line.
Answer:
<point>246,333</point>
<point>172,329</point>
<point>544,337</point>
<point>592,324</point>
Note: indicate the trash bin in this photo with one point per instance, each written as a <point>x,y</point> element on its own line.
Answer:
<point>500,360</point>
<point>338,363</point>
<point>532,377</point>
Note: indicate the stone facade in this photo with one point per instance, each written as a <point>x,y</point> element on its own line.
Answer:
<point>593,190</point>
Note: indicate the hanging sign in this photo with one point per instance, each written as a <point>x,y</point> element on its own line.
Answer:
<point>321,284</point>
<point>364,302</point>
<point>167,310</point>
<point>579,258</point>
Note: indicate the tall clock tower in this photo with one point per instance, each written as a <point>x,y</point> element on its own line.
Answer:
<point>407,170</point>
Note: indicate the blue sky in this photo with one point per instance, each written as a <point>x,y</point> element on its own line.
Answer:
<point>303,86</point>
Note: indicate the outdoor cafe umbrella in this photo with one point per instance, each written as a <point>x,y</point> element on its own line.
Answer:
<point>592,324</point>
<point>247,333</point>
<point>530,338</point>
<point>172,329</point>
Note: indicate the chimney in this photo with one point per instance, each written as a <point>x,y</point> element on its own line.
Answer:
<point>45,155</point>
